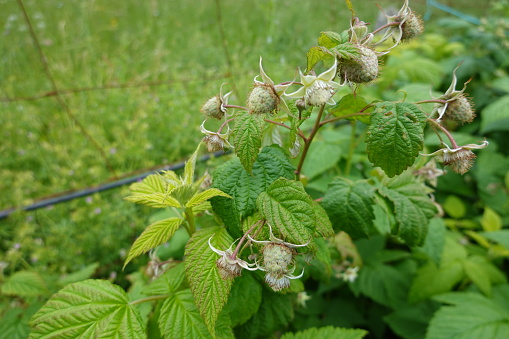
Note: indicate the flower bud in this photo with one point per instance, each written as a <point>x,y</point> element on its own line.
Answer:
<point>263,99</point>
<point>213,108</point>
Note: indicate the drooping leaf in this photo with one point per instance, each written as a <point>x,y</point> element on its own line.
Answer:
<point>209,289</point>
<point>435,240</point>
<point>469,315</point>
<point>24,284</point>
<point>168,282</point>
<point>412,206</point>
<point>232,179</point>
<point>349,205</point>
<point>275,312</point>
<point>88,309</point>
<point>244,300</point>
<point>327,332</point>
<point>179,317</point>
<point>153,236</point>
<point>288,209</point>
<point>395,136</point>
<point>204,196</point>
<point>248,138</point>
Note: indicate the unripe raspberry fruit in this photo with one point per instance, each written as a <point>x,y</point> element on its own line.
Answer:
<point>362,69</point>
<point>412,27</point>
<point>276,258</point>
<point>263,99</point>
<point>460,109</point>
<point>213,142</point>
<point>460,161</point>
<point>213,108</point>
<point>228,269</point>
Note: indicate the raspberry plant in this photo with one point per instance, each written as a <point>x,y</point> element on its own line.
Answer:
<point>244,273</point>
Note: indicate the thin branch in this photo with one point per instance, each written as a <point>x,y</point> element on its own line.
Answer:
<point>307,141</point>
<point>299,132</point>
<point>344,117</point>
<point>445,131</point>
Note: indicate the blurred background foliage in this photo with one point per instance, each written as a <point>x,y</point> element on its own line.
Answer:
<point>135,74</point>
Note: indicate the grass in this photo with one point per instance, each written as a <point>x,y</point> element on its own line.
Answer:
<point>169,57</point>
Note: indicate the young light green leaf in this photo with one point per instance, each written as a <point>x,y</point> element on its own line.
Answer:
<point>189,167</point>
<point>244,300</point>
<point>168,282</point>
<point>351,104</point>
<point>395,136</point>
<point>345,51</point>
<point>327,332</point>
<point>469,315</point>
<point>156,200</point>
<point>491,221</point>
<point>248,138</point>
<point>323,223</point>
<point>88,309</point>
<point>153,236</point>
<point>151,184</point>
<point>289,209</point>
<point>317,54</point>
<point>209,289</point>
<point>349,205</point>
<point>332,39</point>
<point>24,284</point>
<point>412,206</point>
<point>179,317</point>
<point>206,195</point>
<point>232,179</point>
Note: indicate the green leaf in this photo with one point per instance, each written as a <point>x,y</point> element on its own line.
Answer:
<point>351,104</point>
<point>156,200</point>
<point>151,184</point>
<point>168,282</point>
<point>349,205</point>
<point>469,315</point>
<point>288,208</point>
<point>275,312</point>
<point>154,235</point>
<point>345,51</point>
<point>474,269</point>
<point>317,54</point>
<point>244,300</point>
<point>88,309</point>
<point>395,136</point>
<point>454,207</point>
<point>411,322</point>
<point>331,39</point>
<point>412,206</point>
<point>490,220</point>
<point>84,273</point>
<point>501,237</point>
<point>495,117</point>
<point>431,280</point>
<point>322,156</point>
<point>206,195</point>
<point>320,265</point>
<point>384,284</point>
<point>435,240</point>
<point>209,289</point>
<point>24,284</point>
<point>327,332</point>
<point>232,179</point>
<point>189,168</point>
<point>179,317</point>
<point>323,224</point>
<point>248,138</point>
<point>14,322</point>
